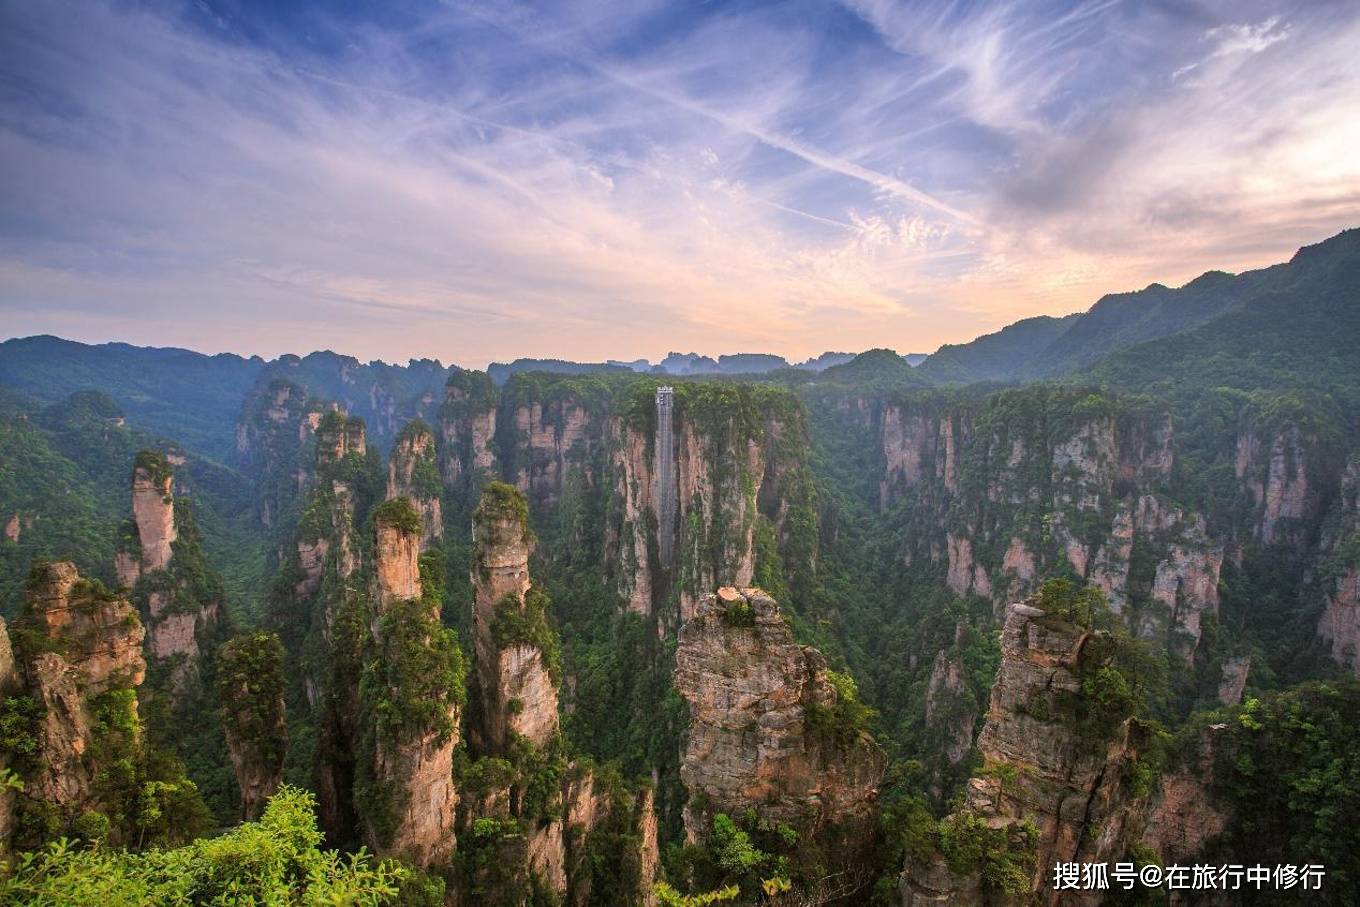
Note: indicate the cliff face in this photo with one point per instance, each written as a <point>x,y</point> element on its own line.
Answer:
<point>413,473</point>
<point>329,640</point>
<point>161,560</point>
<point>250,688</point>
<point>468,424</point>
<point>11,682</point>
<point>738,468</point>
<point>529,817</point>
<point>519,691</point>
<point>950,709</point>
<point>735,468</point>
<point>551,437</point>
<point>92,645</point>
<point>277,424</point>
<point>1023,484</point>
<point>1185,815</point>
<point>1339,574</point>
<point>765,730</point>
<point>1051,758</point>
<point>325,535</point>
<point>1273,468</point>
<point>153,510</point>
<point>410,805</point>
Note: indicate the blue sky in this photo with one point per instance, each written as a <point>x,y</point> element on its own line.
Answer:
<point>476,181</point>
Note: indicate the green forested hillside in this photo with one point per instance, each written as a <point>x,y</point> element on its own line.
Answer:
<point>65,470</point>
<point>1001,356</point>
<point>1214,330</point>
<point>170,392</point>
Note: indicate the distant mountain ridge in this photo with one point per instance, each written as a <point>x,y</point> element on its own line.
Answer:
<point>1297,319</point>
<point>1318,277</point>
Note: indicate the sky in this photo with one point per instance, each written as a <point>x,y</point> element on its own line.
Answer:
<point>477,181</point>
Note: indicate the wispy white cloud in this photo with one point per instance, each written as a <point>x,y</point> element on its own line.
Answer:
<point>605,180</point>
<point>1244,39</point>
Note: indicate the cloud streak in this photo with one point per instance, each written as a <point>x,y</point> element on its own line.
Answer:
<point>612,179</point>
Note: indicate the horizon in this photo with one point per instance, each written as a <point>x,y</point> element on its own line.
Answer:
<point>624,360</point>
<point>615,181</point>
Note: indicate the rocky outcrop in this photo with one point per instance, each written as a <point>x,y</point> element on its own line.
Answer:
<point>921,445</point>
<point>92,645</point>
<point>277,425</point>
<point>250,688</point>
<point>1233,681</point>
<point>1274,469</point>
<point>413,473</point>
<point>737,467</point>
<point>1049,761</point>
<point>339,436</point>
<point>1339,574</point>
<point>97,633</point>
<point>160,557</point>
<point>1185,815</point>
<point>153,509</point>
<point>412,804</point>
<point>467,421</point>
<point>396,556</point>
<point>769,730</point>
<point>552,437</point>
<point>950,710</point>
<point>627,544</point>
<point>11,681</point>
<point>529,834</point>
<point>510,630</point>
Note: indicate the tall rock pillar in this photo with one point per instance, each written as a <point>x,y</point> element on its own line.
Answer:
<point>410,702</point>
<point>515,647</point>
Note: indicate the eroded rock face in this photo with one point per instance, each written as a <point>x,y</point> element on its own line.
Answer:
<point>950,709</point>
<point>728,476</point>
<point>172,625</point>
<point>311,560</point>
<point>396,564</point>
<point>1069,786</point>
<point>519,695</point>
<point>10,683</point>
<point>1234,680</point>
<point>468,424</point>
<point>1275,472</point>
<point>1046,766</point>
<point>153,509</point>
<point>627,545</point>
<point>1339,574</point>
<point>417,769</point>
<point>337,437</point>
<point>412,473</point>
<point>98,639</point>
<point>1185,815</point>
<point>277,422</point>
<point>99,633</point>
<point>552,438</point>
<point>750,745</point>
<point>717,497</point>
<point>250,687</point>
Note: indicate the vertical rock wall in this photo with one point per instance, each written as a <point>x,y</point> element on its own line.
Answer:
<point>413,473</point>
<point>519,695</point>
<point>759,735</point>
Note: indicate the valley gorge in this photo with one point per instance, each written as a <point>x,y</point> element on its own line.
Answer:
<point>854,635</point>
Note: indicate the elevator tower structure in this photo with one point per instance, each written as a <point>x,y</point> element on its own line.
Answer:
<point>664,473</point>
